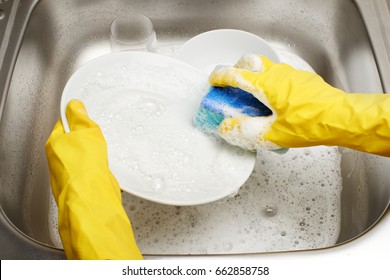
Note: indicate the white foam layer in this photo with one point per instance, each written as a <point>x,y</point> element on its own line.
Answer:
<point>290,202</point>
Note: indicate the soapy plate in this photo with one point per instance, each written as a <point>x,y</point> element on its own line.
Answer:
<point>145,104</point>
<point>223,47</point>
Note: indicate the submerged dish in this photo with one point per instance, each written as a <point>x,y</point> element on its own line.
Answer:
<point>223,47</point>
<point>144,104</point>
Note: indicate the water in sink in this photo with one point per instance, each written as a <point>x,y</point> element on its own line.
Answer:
<point>290,202</point>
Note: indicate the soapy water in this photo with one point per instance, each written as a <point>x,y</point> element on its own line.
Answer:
<point>290,202</point>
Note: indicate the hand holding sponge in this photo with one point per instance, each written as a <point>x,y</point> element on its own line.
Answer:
<point>306,111</point>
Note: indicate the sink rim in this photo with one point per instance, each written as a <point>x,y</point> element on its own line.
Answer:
<point>385,212</point>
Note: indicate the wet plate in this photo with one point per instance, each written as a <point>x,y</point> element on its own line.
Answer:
<point>145,104</point>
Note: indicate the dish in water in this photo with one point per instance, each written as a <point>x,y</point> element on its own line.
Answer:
<point>223,47</point>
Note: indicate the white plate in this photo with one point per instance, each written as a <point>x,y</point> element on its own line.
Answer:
<point>144,104</point>
<point>223,47</point>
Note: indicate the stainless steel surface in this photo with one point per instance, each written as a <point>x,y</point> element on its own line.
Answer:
<point>43,43</point>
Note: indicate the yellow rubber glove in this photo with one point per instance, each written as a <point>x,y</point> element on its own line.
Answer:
<point>92,221</point>
<point>306,110</point>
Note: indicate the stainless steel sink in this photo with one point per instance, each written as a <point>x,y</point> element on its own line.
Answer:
<point>44,42</point>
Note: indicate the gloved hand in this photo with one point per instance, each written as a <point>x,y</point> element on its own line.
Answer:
<point>92,221</point>
<point>306,110</point>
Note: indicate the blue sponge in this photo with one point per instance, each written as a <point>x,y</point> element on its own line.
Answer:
<point>221,102</point>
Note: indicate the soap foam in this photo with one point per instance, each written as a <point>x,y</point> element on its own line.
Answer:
<point>290,202</point>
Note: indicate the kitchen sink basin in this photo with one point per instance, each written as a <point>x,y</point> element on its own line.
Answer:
<point>44,42</point>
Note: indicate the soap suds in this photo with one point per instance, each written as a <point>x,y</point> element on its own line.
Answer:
<point>290,202</point>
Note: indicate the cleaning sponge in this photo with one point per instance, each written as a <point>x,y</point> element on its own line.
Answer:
<point>221,102</point>
<point>224,102</point>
